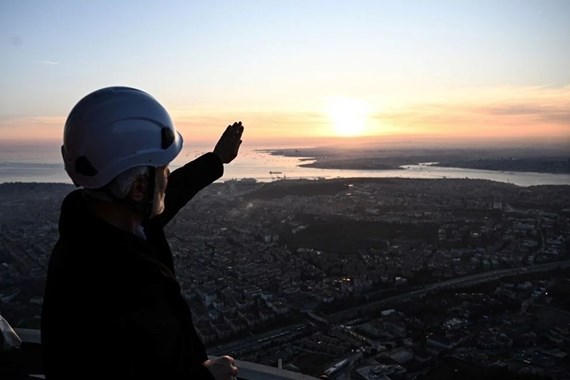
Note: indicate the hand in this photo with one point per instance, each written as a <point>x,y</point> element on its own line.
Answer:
<point>222,368</point>
<point>228,145</point>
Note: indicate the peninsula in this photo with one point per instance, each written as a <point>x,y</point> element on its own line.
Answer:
<point>555,161</point>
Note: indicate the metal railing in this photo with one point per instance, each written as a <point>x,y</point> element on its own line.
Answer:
<point>31,351</point>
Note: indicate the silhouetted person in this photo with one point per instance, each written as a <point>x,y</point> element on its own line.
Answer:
<point>112,305</point>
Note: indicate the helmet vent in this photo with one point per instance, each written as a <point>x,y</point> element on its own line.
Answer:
<point>167,137</point>
<point>83,166</point>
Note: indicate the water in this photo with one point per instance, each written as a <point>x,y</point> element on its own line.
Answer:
<point>33,165</point>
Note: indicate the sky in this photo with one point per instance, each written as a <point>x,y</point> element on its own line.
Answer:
<point>296,71</point>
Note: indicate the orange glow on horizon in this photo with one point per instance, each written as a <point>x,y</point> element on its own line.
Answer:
<point>502,113</point>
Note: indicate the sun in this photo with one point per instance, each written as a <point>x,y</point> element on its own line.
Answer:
<point>348,116</point>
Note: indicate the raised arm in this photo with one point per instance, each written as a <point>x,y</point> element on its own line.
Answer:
<point>187,181</point>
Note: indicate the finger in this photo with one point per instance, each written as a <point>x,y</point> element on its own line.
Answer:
<point>231,130</point>
<point>238,128</point>
<point>231,360</point>
<point>228,132</point>
<point>239,131</point>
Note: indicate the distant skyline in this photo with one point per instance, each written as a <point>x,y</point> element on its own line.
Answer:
<point>293,71</point>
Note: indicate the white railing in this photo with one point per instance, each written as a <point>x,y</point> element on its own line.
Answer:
<point>247,370</point>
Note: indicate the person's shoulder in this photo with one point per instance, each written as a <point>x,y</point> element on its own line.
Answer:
<point>73,199</point>
<point>73,209</point>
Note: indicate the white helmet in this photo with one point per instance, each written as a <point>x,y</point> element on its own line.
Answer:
<point>114,129</point>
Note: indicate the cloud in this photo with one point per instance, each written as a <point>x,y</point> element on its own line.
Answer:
<point>47,62</point>
<point>555,114</point>
<point>259,124</point>
<point>537,112</point>
<point>518,112</point>
<point>32,128</point>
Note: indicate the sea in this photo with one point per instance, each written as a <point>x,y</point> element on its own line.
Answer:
<point>43,164</point>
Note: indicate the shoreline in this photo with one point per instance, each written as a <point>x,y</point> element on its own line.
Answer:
<point>300,181</point>
<point>267,165</point>
<point>337,159</point>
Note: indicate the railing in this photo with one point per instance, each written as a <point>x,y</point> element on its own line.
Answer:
<point>31,350</point>
<point>253,371</point>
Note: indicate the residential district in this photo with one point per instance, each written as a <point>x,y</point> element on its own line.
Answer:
<point>349,278</point>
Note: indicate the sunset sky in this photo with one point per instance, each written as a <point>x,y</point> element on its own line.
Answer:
<point>296,70</point>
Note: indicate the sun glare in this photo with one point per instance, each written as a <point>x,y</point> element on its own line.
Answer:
<point>348,116</point>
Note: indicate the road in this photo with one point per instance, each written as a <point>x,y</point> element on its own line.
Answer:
<point>341,316</point>
<point>245,343</point>
<point>472,279</point>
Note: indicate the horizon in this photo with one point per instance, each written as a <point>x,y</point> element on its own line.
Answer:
<point>430,72</point>
<point>393,142</point>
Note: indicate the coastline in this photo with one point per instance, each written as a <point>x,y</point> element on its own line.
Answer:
<point>342,159</point>
<point>267,165</point>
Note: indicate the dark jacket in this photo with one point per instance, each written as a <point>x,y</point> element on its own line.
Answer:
<point>112,305</point>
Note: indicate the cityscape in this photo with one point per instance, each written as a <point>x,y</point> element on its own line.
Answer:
<point>395,198</point>
<point>349,278</point>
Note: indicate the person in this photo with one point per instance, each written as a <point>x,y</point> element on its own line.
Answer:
<point>112,306</point>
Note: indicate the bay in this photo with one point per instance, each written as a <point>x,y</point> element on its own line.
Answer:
<point>265,167</point>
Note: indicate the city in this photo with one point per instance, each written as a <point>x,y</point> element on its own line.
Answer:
<point>352,278</point>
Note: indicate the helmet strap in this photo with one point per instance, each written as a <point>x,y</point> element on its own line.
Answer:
<point>151,189</point>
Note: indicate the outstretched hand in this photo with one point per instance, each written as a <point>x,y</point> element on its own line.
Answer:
<point>222,368</point>
<point>228,146</point>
